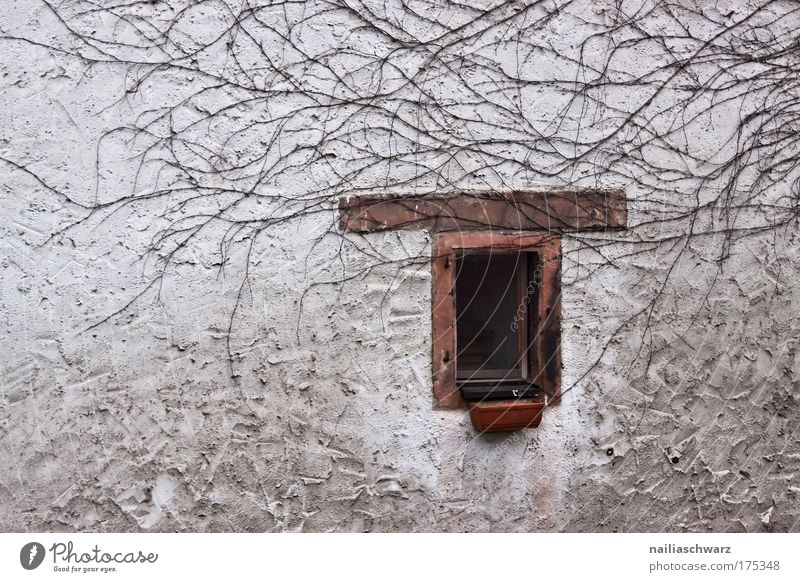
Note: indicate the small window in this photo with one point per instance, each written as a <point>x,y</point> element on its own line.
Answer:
<point>496,319</point>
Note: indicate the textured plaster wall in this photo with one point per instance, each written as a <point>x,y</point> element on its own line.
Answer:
<point>324,420</point>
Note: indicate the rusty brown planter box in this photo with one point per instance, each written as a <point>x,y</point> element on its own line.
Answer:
<point>505,414</point>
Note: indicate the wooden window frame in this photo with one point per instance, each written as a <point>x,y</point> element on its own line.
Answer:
<point>545,345</point>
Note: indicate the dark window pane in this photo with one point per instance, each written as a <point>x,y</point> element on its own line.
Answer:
<point>487,301</point>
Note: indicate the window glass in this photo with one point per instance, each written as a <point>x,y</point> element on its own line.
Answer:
<point>487,302</point>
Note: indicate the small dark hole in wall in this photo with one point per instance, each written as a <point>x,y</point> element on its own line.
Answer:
<point>610,451</point>
<point>675,460</point>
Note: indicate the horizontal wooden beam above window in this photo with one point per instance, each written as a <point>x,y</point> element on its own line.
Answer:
<point>549,210</point>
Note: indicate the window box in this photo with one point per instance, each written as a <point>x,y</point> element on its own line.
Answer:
<point>499,415</point>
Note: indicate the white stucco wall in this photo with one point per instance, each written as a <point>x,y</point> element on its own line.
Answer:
<point>324,420</point>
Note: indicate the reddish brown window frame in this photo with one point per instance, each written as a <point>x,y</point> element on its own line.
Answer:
<point>544,346</point>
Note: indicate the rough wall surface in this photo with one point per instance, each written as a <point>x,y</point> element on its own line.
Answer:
<point>190,344</point>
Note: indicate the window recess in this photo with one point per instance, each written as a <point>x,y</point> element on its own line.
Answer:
<point>493,290</point>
